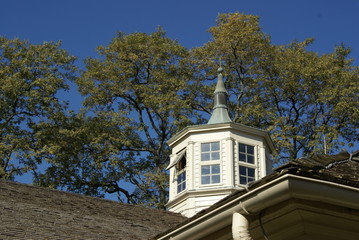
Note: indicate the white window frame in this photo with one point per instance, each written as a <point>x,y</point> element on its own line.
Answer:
<point>246,175</point>
<point>247,164</point>
<point>210,163</point>
<point>181,186</point>
<point>182,171</point>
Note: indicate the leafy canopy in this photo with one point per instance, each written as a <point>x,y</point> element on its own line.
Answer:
<point>143,88</point>
<point>30,77</point>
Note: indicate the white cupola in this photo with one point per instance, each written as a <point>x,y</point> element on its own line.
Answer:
<point>210,161</point>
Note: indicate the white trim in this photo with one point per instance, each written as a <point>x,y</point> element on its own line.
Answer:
<point>281,189</point>
<point>220,127</point>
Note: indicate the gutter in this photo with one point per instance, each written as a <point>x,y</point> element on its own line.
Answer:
<point>253,202</point>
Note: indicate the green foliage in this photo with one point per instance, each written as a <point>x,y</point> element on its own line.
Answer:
<point>30,77</point>
<point>310,97</point>
<point>140,92</point>
<point>295,94</point>
<point>144,88</point>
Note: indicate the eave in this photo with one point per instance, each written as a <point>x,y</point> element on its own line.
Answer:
<point>222,126</point>
<point>281,190</point>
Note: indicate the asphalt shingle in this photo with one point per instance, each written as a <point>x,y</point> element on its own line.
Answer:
<point>30,212</point>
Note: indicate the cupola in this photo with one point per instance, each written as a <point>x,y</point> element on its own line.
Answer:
<point>210,161</point>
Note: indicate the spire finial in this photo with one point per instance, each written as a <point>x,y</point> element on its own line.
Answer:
<point>220,112</point>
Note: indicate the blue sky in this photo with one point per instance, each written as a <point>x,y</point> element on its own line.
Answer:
<point>82,25</point>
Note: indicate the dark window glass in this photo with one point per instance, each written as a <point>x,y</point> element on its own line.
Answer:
<point>250,149</point>
<point>250,172</point>
<point>246,153</point>
<point>181,181</point>
<point>246,175</point>
<point>242,148</point>
<point>250,159</point>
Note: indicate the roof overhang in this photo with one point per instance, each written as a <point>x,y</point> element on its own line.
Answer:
<point>196,129</point>
<point>279,191</point>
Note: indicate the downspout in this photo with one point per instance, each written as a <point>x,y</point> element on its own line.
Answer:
<point>240,226</point>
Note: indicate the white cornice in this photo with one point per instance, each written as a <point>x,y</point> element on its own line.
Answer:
<point>196,129</point>
<point>214,191</point>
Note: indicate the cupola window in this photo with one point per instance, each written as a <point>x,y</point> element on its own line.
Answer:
<point>246,153</point>
<point>246,164</point>
<point>210,167</point>
<point>181,173</point>
<point>246,175</point>
<point>210,151</point>
<point>210,174</point>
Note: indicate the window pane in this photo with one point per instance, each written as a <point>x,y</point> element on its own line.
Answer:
<point>181,177</point>
<point>250,149</point>
<point>181,182</point>
<point>205,180</point>
<point>205,147</point>
<point>243,171</point>
<point>246,153</point>
<point>243,180</point>
<point>205,157</point>
<point>215,156</point>
<point>242,157</point>
<point>215,178</point>
<point>250,159</point>
<point>242,148</point>
<point>215,146</point>
<point>205,170</point>
<point>215,169</point>
<point>250,172</point>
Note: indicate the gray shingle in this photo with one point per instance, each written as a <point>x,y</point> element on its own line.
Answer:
<point>30,212</point>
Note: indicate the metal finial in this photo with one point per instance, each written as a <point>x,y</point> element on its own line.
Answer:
<point>220,109</point>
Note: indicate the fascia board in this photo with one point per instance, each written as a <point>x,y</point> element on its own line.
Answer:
<point>279,190</point>
<point>218,127</point>
<point>201,193</point>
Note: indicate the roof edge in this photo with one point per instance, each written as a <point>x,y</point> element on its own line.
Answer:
<point>281,189</point>
<point>218,126</point>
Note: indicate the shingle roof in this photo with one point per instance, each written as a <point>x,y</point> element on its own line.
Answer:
<point>30,212</point>
<point>342,168</point>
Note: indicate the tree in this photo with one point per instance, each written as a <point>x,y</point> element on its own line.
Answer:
<point>297,95</point>
<point>138,96</point>
<point>31,76</point>
<point>145,88</point>
<point>313,99</point>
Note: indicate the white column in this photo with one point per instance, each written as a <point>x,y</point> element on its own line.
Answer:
<point>172,185</point>
<point>262,161</point>
<point>230,162</point>
<point>191,165</point>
